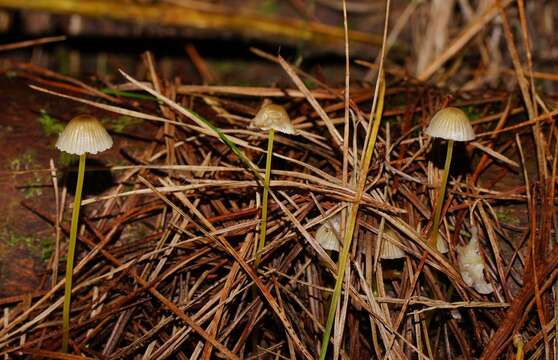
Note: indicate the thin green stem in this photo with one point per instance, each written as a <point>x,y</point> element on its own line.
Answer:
<point>70,257</point>
<point>351,223</point>
<point>519,344</point>
<point>441,196</point>
<point>263,227</point>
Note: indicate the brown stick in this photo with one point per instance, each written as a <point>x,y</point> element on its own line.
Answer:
<point>29,43</point>
<point>510,324</point>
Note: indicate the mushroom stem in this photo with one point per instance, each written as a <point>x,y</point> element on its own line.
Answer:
<point>263,226</point>
<point>439,205</point>
<point>518,342</point>
<point>70,257</point>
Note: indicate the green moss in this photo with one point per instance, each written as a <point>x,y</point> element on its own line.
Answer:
<point>23,162</point>
<point>507,216</point>
<point>49,125</point>
<point>47,248</point>
<point>32,187</point>
<point>15,239</point>
<point>42,247</point>
<point>66,159</point>
<point>471,112</point>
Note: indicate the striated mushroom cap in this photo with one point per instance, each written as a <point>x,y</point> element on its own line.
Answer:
<point>273,116</point>
<point>84,134</point>
<point>451,124</point>
<point>389,250</point>
<point>471,265</point>
<point>326,233</point>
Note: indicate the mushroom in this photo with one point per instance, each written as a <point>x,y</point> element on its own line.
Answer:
<point>328,231</point>
<point>441,243</point>
<point>83,134</point>
<point>451,124</point>
<point>273,117</point>
<point>270,117</point>
<point>389,250</point>
<point>471,265</point>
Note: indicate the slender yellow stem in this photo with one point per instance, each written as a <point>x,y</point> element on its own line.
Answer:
<point>70,257</point>
<point>518,341</point>
<point>441,196</point>
<point>263,227</point>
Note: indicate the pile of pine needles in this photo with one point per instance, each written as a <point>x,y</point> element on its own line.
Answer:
<point>166,256</point>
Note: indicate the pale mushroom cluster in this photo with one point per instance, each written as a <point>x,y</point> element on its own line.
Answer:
<point>471,265</point>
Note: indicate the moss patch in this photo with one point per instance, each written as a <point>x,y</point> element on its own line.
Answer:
<point>23,162</point>
<point>38,246</point>
<point>49,125</point>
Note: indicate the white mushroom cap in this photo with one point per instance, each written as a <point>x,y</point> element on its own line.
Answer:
<point>326,233</point>
<point>451,124</point>
<point>84,134</point>
<point>471,265</point>
<point>273,116</point>
<point>389,250</point>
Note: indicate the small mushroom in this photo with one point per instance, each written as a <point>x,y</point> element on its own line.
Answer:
<point>270,117</point>
<point>451,124</point>
<point>471,265</point>
<point>273,116</point>
<point>389,250</point>
<point>327,233</point>
<point>83,134</point>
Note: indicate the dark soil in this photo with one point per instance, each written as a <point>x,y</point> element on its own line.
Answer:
<point>27,241</point>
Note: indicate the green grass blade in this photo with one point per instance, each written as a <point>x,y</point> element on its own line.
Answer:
<point>200,120</point>
<point>352,219</point>
<point>128,94</point>
<point>235,149</point>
